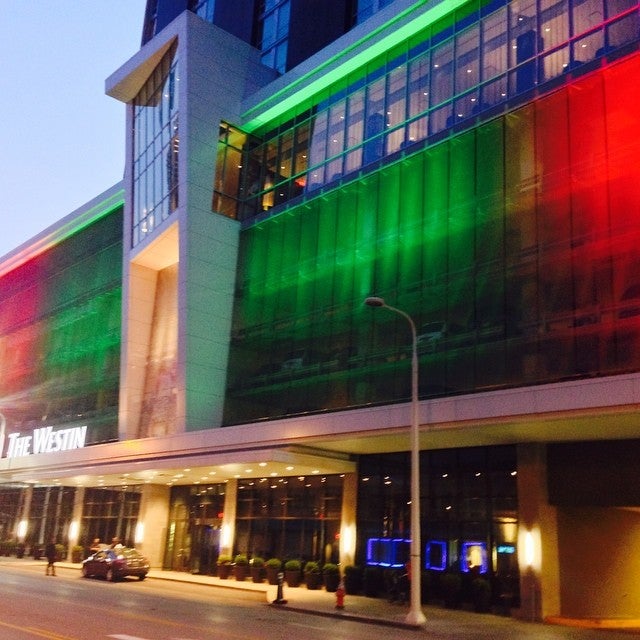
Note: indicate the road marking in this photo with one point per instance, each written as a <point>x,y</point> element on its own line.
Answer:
<point>43,633</point>
<point>119,636</point>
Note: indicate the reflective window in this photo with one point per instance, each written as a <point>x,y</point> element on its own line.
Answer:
<point>156,142</point>
<point>426,91</point>
<point>273,23</point>
<point>516,258</point>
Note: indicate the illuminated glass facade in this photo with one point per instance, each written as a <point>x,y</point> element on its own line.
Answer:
<point>477,169</point>
<point>60,321</point>
<point>450,75</point>
<point>508,235</point>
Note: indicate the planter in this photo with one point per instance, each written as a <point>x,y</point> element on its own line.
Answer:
<point>292,577</point>
<point>372,582</point>
<point>77,554</point>
<point>293,572</point>
<point>224,571</point>
<point>241,572</point>
<point>257,574</point>
<point>353,580</point>
<point>481,594</point>
<point>451,587</point>
<point>313,580</point>
<point>273,566</point>
<point>331,582</point>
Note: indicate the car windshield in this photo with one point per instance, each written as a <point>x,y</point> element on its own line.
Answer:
<point>432,327</point>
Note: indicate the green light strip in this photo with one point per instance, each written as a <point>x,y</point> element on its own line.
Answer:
<point>349,65</point>
<point>72,224</point>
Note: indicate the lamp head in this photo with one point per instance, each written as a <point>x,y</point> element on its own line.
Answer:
<point>375,301</point>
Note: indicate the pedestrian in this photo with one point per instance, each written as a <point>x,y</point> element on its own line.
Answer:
<point>95,545</point>
<point>51,553</point>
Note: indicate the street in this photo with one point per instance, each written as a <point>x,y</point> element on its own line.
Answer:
<point>68,607</point>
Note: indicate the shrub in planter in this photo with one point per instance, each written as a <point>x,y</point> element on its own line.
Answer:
<point>77,553</point>
<point>481,595</point>
<point>61,552</point>
<point>331,576</point>
<point>451,587</point>
<point>241,567</point>
<point>292,570</point>
<point>426,587</point>
<point>257,569</point>
<point>20,549</point>
<point>273,566</point>
<point>8,547</point>
<point>353,579</point>
<point>312,575</point>
<point>224,566</point>
<point>372,582</point>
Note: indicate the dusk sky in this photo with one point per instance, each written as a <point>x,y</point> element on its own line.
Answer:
<point>63,138</point>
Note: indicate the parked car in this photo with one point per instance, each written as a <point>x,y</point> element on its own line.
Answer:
<point>114,564</point>
<point>430,335</point>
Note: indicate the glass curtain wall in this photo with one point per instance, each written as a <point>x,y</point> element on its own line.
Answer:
<point>297,517</point>
<point>156,143</point>
<point>108,513</point>
<point>469,499</point>
<point>50,514</point>
<point>60,334</point>
<point>514,246</point>
<point>11,505</point>
<point>449,75</point>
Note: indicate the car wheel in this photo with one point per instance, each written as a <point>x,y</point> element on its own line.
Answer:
<point>109,575</point>
<point>142,577</point>
<point>85,571</point>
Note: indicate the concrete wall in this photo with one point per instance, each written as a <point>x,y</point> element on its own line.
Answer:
<point>600,562</point>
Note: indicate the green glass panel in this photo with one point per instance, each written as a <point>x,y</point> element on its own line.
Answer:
<point>410,234</point>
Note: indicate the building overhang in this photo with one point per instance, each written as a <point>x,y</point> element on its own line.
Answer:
<point>125,83</point>
<point>329,443</point>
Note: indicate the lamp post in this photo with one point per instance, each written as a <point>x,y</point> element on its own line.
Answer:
<point>415,616</point>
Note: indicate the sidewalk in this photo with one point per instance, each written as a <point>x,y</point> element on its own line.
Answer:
<point>361,608</point>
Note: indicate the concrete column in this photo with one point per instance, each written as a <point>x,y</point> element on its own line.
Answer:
<point>228,532</point>
<point>26,508</point>
<point>538,556</point>
<point>153,518</point>
<point>76,516</point>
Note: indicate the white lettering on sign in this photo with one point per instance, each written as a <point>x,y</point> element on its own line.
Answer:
<point>46,440</point>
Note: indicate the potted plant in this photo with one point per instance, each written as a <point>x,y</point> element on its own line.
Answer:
<point>353,579</point>
<point>481,594</point>
<point>224,566</point>
<point>292,572</point>
<point>241,567</point>
<point>272,567</point>
<point>312,575</point>
<point>77,553</point>
<point>451,586</point>
<point>372,581</point>
<point>257,569</point>
<point>61,552</point>
<point>331,576</point>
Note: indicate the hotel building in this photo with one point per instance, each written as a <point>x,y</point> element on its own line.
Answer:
<point>188,362</point>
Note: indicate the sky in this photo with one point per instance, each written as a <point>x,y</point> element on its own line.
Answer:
<point>63,138</point>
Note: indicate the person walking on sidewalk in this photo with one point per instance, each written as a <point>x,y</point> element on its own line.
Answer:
<point>51,553</point>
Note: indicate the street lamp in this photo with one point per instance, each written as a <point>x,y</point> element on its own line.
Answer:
<point>415,616</point>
